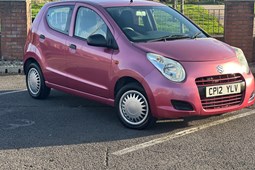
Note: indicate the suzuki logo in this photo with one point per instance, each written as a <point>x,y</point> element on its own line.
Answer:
<point>220,69</point>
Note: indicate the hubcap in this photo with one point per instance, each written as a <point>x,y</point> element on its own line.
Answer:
<point>133,107</point>
<point>34,81</point>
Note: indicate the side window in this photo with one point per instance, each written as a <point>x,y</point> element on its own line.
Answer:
<point>58,18</point>
<point>166,22</point>
<point>88,23</point>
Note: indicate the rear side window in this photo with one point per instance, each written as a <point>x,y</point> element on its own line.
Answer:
<point>58,18</point>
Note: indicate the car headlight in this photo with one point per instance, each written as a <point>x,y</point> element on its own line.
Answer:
<point>171,69</point>
<point>242,60</point>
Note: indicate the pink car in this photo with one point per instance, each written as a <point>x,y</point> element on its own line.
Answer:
<point>144,58</point>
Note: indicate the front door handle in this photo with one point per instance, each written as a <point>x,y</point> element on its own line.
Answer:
<point>72,46</point>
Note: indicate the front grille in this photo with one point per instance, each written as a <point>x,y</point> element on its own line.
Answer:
<point>220,101</point>
<point>220,79</point>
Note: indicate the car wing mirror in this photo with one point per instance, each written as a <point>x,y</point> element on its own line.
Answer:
<point>97,40</point>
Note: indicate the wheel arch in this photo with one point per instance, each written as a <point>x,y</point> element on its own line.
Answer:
<point>27,62</point>
<point>142,82</point>
<point>123,81</point>
<point>32,54</point>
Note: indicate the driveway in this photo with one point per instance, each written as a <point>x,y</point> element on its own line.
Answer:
<point>68,132</point>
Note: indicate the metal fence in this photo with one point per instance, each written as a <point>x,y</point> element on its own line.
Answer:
<point>208,17</point>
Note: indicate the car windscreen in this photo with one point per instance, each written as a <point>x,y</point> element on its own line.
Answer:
<point>153,23</point>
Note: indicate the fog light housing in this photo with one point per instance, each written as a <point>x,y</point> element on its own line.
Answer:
<point>252,96</point>
<point>182,105</point>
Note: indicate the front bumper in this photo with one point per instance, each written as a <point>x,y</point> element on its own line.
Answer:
<point>162,91</point>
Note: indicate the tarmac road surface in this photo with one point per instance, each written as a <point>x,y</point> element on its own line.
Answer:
<point>68,132</point>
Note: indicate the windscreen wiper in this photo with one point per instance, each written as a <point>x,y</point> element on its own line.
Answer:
<point>196,35</point>
<point>170,37</point>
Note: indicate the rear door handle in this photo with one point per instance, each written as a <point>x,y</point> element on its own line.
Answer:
<point>42,36</point>
<point>72,46</point>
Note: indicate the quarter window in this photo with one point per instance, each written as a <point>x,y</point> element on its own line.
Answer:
<point>58,18</point>
<point>88,23</point>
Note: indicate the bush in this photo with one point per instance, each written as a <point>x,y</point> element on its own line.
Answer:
<point>36,8</point>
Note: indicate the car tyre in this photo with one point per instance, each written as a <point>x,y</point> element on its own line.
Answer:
<point>133,107</point>
<point>36,83</point>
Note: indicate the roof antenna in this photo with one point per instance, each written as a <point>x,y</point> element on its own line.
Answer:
<point>131,1</point>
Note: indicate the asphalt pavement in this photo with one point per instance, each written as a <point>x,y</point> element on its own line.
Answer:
<point>68,132</point>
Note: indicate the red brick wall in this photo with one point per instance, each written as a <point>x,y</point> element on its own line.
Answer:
<point>0,39</point>
<point>239,15</point>
<point>15,21</point>
<point>253,49</point>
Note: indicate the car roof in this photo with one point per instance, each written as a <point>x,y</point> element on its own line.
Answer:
<point>115,3</point>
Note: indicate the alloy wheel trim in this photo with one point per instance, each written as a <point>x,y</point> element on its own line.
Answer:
<point>134,101</point>
<point>34,81</point>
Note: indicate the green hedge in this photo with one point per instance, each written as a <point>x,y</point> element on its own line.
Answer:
<point>36,8</point>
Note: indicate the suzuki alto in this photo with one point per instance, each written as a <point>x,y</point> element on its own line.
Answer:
<point>142,57</point>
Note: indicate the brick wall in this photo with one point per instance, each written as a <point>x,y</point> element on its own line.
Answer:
<point>0,38</point>
<point>239,16</point>
<point>15,21</point>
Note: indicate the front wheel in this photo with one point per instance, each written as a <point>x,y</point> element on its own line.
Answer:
<point>133,107</point>
<point>36,83</point>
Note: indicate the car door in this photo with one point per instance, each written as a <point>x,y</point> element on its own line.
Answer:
<point>53,32</point>
<point>88,66</point>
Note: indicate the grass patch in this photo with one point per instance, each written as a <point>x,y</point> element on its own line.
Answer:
<point>203,19</point>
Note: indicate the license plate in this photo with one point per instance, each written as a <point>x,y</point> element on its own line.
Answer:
<point>222,90</point>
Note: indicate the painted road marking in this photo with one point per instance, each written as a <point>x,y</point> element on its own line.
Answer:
<point>11,92</point>
<point>181,133</point>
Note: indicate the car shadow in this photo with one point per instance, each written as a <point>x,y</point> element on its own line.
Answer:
<point>64,119</point>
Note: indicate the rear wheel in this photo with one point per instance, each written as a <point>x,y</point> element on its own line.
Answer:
<point>36,83</point>
<point>133,107</point>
